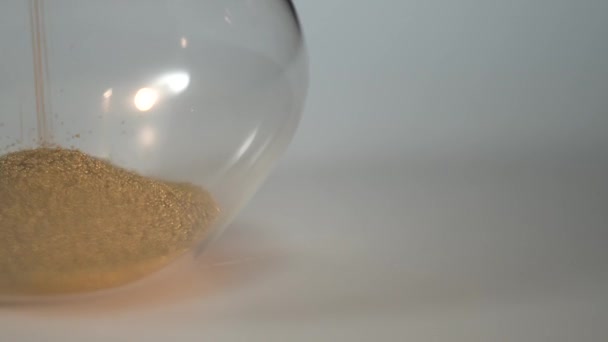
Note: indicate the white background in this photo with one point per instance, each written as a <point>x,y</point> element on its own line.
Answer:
<point>448,183</point>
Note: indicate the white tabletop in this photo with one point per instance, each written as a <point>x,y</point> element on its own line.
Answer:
<point>436,253</point>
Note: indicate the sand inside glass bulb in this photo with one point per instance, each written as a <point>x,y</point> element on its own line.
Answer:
<point>70,222</point>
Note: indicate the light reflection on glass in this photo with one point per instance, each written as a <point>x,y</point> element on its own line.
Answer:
<point>107,93</point>
<point>176,81</point>
<point>169,83</point>
<point>105,105</point>
<point>147,136</point>
<point>246,145</point>
<point>228,17</point>
<point>145,99</point>
<point>183,42</point>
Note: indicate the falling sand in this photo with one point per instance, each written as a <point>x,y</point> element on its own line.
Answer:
<point>70,222</point>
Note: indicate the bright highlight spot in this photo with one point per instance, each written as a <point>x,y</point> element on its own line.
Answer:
<point>105,103</point>
<point>183,42</point>
<point>145,99</point>
<point>246,144</point>
<point>176,82</point>
<point>107,94</point>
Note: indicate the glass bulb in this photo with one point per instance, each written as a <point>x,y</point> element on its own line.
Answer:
<point>205,93</point>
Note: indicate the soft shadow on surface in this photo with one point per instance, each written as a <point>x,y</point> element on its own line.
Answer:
<point>241,256</point>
